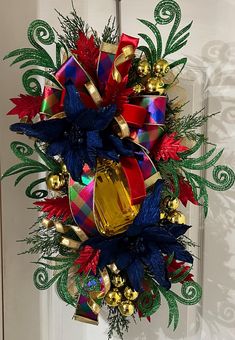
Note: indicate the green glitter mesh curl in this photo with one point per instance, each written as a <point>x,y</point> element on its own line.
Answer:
<point>166,12</point>
<point>29,166</point>
<point>39,33</point>
<point>149,302</point>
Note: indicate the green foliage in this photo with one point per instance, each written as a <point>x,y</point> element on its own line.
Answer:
<point>39,33</point>
<point>28,166</point>
<point>117,323</point>
<point>187,125</point>
<point>73,24</point>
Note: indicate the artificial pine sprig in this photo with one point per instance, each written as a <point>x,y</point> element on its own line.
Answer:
<point>117,323</point>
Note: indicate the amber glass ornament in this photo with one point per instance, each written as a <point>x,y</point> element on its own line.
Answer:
<point>113,298</point>
<point>130,294</point>
<point>55,182</point>
<point>177,217</point>
<point>126,308</point>
<point>118,281</point>
<point>113,211</point>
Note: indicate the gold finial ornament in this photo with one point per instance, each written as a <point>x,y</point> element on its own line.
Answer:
<point>143,68</point>
<point>177,217</point>
<point>118,281</point>
<point>155,85</point>
<point>126,308</point>
<point>113,298</point>
<point>130,294</point>
<point>161,68</point>
<point>55,182</point>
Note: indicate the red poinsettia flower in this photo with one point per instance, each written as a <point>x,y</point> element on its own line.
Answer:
<point>168,148</point>
<point>186,192</point>
<point>56,207</point>
<point>87,53</point>
<point>88,260</point>
<point>26,106</point>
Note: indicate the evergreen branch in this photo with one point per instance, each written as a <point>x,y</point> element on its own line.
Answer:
<point>117,323</point>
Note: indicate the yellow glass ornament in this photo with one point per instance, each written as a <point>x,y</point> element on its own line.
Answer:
<point>161,67</point>
<point>113,298</point>
<point>126,308</point>
<point>113,211</point>
<point>118,281</point>
<point>177,217</point>
<point>143,68</point>
<point>55,182</point>
<point>155,85</point>
<point>130,294</point>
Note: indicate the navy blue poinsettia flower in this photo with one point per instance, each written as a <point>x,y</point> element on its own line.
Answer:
<point>143,246</point>
<point>80,137</point>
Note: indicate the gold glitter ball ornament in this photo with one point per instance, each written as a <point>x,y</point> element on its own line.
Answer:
<point>161,68</point>
<point>118,281</point>
<point>55,182</point>
<point>177,217</point>
<point>113,298</point>
<point>130,294</point>
<point>155,85</point>
<point>126,308</point>
<point>143,68</point>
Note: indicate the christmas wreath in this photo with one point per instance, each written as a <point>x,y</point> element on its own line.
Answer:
<point>112,155</point>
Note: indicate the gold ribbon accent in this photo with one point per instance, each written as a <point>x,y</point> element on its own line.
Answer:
<point>121,127</point>
<point>93,92</point>
<point>127,54</point>
<point>63,229</point>
<point>109,48</point>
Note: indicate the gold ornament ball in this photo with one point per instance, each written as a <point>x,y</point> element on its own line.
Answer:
<point>64,169</point>
<point>173,204</point>
<point>130,294</point>
<point>177,217</point>
<point>143,68</point>
<point>126,308</point>
<point>113,298</point>
<point>161,67</point>
<point>155,85</point>
<point>55,182</point>
<point>118,281</point>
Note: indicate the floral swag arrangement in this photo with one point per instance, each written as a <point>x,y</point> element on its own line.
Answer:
<point>112,149</point>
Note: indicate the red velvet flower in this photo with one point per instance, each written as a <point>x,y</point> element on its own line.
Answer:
<point>88,260</point>
<point>168,148</point>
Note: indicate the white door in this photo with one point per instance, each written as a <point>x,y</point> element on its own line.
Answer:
<point>210,82</point>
